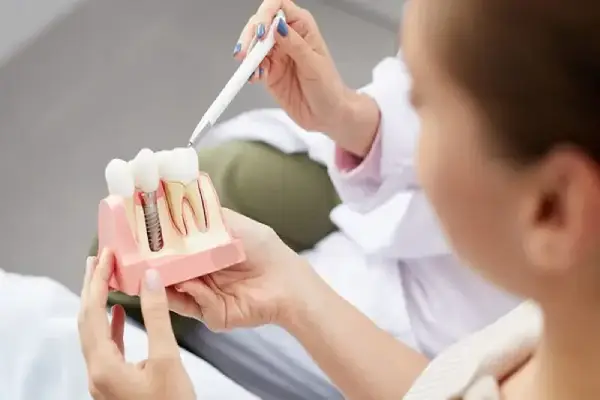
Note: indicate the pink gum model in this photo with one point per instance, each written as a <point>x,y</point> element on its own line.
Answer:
<point>114,232</point>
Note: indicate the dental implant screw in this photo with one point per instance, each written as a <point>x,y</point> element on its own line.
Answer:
<point>152,219</point>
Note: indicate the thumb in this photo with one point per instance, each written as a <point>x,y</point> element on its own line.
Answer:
<point>293,44</point>
<point>155,310</point>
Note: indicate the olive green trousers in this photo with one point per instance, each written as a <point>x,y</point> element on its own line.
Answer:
<point>289,192</point>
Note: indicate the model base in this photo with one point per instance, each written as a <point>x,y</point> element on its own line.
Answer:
<point>184,256</point>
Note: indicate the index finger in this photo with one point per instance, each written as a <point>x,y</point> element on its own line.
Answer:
<point>155,310</point>
<point>259,24</point>
<point>269,8</point>
<point>94,329</point>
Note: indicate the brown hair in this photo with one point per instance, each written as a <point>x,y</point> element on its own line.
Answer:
<point>533,67</point>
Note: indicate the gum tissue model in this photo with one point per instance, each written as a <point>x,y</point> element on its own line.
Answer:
<point>162,213</point>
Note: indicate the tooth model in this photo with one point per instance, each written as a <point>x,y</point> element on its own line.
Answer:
<point>147,179</point>
<point>179,171</point>
<point>162,213</point>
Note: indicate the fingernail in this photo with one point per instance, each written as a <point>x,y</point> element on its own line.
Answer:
<point>260,71</point>
<point>237,48</point>
<point>105,255</point>
<point>282,28</point>
<point>90,263</point>
<point>252,75</point>
<point>153,281</point>
<point>260,31</point>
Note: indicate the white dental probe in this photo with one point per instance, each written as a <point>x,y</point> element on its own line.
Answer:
<point>252,61</point>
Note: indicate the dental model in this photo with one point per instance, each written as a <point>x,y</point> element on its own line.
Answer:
<point>161,213</point>
<point>147,179</point>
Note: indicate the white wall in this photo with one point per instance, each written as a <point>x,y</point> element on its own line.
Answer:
<point>21,20</point>
<point>386,8</point>
<point>388,11</point>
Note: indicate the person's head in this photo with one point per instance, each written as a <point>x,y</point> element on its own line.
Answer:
<point>508,94</point>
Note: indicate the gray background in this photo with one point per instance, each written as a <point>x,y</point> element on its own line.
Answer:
<point>82,82</point>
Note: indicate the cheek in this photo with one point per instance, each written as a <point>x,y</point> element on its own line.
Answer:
<point>466,195</point>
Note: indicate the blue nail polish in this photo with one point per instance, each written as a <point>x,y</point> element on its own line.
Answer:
<point>282,28</point>
<point>260,31</point>
<point>237,48</point>
<point>260,71</point>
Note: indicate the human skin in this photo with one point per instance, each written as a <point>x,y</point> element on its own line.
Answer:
<point>532,227</point>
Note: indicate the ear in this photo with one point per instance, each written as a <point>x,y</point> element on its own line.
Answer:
<point>562,212</point>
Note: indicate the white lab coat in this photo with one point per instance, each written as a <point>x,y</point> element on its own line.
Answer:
<point>390,258</point>
<point>40,356</point>
<point>473,368</point>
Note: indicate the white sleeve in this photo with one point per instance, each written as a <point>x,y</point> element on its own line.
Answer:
<point>389,166</point>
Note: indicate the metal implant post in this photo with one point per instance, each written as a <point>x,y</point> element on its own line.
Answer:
<point>152,219</point>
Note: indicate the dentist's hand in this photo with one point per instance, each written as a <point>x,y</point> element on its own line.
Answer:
<point>111,377</point>
<point>300,73</point>
<point>267,288</point>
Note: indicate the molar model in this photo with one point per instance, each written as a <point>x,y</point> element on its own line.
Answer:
<point>161,213</point>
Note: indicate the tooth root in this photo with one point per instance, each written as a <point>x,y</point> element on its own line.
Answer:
<point>192,192</point>
<point>213,207</point>
<point>175,192</point>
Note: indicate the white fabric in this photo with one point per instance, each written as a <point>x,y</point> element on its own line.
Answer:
<point>387,215</point>
<point>40,356</point>
<point>371,284</point>
<point>472,368</point>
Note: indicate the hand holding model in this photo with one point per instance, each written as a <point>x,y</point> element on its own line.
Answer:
<point>268,288</point>
<point>276,286</point>
<point>162,375</point>
<point>271,284</point>
<point>301,75</point>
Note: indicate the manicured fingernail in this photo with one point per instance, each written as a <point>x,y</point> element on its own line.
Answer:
<point>260,31</point>
<point>153,281</point>
<point>90,263</point>
<point>237,48</point>
<point>255,73</point>
<point>260,71</point>
<point>282,28</point>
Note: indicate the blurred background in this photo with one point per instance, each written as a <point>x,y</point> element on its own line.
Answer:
<point>85,81</point>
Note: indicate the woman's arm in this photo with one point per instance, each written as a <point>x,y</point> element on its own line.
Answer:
<point>380,119</point>
<point>362,360</point>
<point>358,125</point>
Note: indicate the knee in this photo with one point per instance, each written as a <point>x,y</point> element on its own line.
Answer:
<point>237,171</point>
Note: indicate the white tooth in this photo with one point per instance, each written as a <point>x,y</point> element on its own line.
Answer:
<point>163,158</point>
<point>175,192</point>
<point>188,164</point>
<point>177,167</point>
<point>145,171</point>
<point>192,159</point>
<point>179,172</point>
<point>119,178</point>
